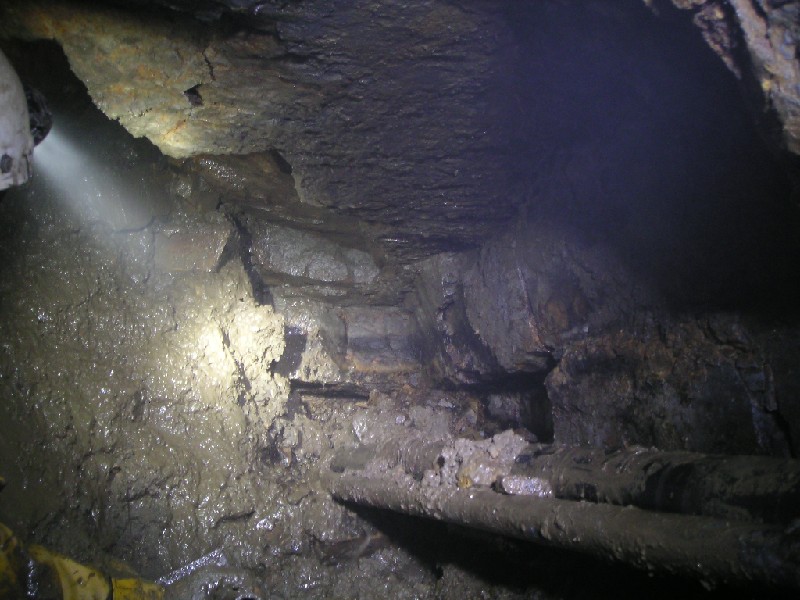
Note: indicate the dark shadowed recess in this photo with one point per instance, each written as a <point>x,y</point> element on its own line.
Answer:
<point>628,130</point>
<point>523,567</point>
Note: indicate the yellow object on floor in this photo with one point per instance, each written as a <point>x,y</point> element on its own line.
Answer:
<point>38,570</point>
<point>12,563</point>
<point>76,581</point>
<point>136,589</point>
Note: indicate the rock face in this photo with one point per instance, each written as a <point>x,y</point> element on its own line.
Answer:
<point>350,219</point>
<point>671,386</point>
<point>431,124</point>
<point>279,81</point>
<point>771,33</point>
<point>305,260</point>
<point>617,366</point>
<point>138,368</point>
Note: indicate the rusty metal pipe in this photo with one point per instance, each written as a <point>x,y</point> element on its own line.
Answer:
<point>729,487</point>
<point>724,541</point>
<point>709,549</point>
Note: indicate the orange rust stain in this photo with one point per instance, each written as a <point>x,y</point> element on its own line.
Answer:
<point>180,125</point>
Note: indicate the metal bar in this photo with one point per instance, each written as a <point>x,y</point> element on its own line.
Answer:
<point>729,487</point>
<point>710,549</point>
<point>743,488</point>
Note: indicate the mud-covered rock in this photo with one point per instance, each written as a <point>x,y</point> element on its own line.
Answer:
<point>381,340</point>
<point>184,244</point>
<point>619,367</point>
<point>139,389</point>
<point>672,385</point>
<point>533,290</point>
<point>347,351</point>
<point>158,398</point>
<point>315,339</point>
<point>283,254</point>
<point>453,348</point>
<point>514,305</point>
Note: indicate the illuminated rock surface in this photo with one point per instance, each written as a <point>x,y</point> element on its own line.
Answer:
<point>295,227</point>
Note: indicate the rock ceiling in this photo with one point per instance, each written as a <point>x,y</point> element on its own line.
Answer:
<point>413,118</point>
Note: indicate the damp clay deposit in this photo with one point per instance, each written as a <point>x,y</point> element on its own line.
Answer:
<point>444,300</point>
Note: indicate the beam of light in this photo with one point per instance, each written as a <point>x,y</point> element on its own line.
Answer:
<point>87,183</point>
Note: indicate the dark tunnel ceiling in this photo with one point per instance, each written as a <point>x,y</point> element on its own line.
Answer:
<point>614,124</point>
<point>629,129</point>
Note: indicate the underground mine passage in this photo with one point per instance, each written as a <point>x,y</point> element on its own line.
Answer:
<point>447,299</point>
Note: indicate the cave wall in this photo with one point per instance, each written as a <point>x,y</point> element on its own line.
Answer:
<point>136,384</point>
<point>171,364</point>
<point>618,366</point>
<point>350,216</point>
